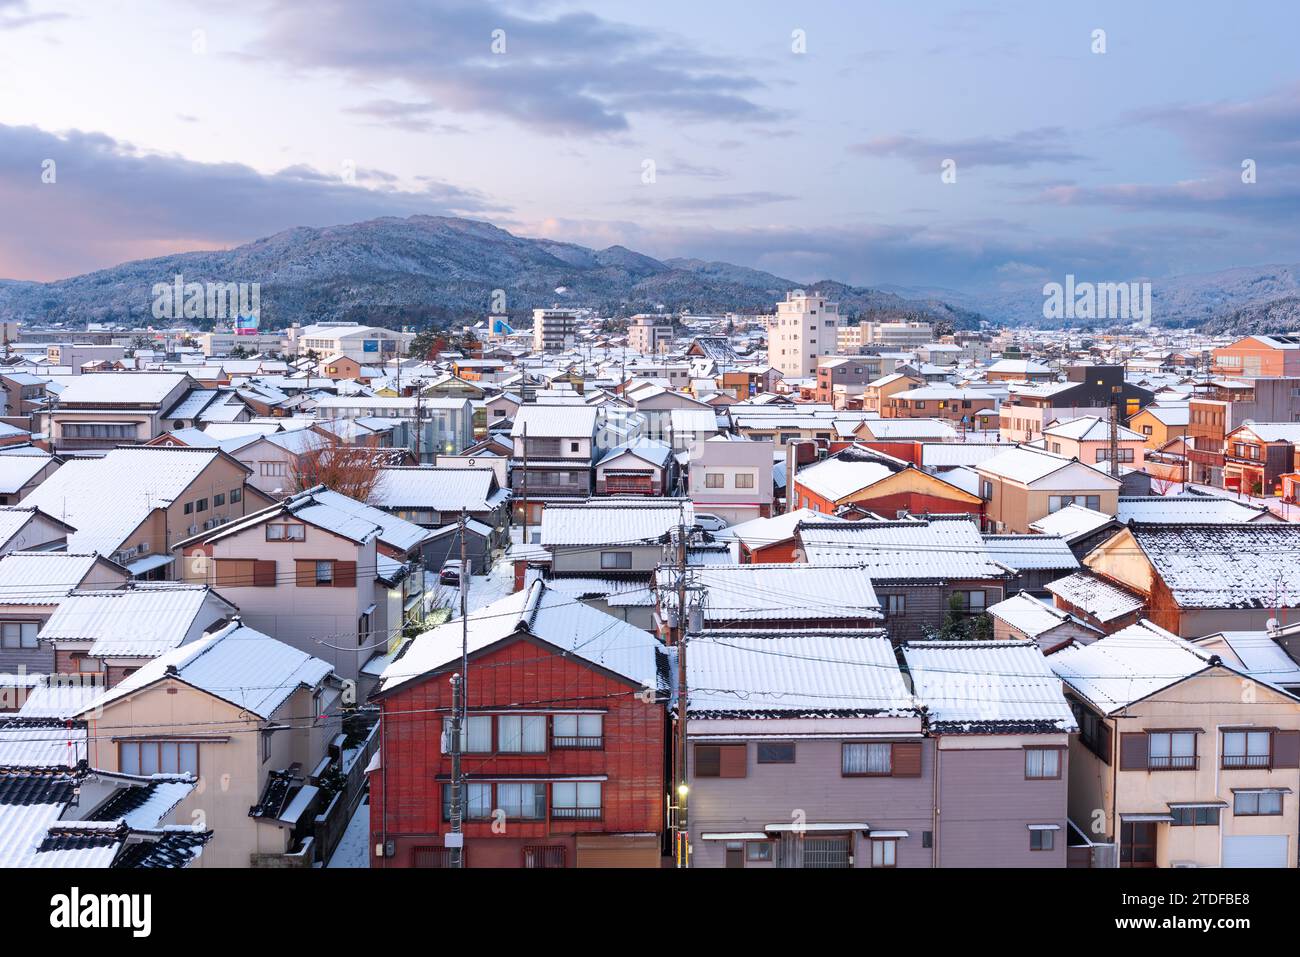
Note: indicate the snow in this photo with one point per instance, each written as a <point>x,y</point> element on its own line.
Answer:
<point>354,847</point>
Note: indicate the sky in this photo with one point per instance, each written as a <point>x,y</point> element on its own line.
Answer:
<point>935,145</point>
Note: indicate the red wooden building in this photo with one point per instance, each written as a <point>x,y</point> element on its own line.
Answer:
<point>564,749</point>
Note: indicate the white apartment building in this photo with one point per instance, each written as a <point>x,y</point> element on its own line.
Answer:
<point>649,334</point>
<point>806,326</point>
<point>368,345</point>
<point>554,330</point>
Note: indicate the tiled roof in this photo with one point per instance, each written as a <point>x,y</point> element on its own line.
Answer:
<point>1225,566</point>
<point>1099,599</point>
<point>735,594</point>
<point>904,550</point>
<point>1127,666</point>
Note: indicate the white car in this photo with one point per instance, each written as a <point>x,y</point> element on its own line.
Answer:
<point>710,522</point>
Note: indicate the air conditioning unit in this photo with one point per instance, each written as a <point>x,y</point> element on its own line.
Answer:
<point>192,530</point>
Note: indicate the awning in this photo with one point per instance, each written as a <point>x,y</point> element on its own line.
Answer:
<point>149,564</point>
<point>860,826</point>
<point>1145,818</point>
<point>735,836</point>
<point>1044,827</point>
<point>1181,804</point>
<point>298,806</point>
<point>885,834</point>
<point>1260,791</point>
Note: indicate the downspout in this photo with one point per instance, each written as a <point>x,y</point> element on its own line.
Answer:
<point>934,854</point>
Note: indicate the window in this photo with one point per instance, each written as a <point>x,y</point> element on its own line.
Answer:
<point>895,605</point>
<point>286,533</point>
<point>525,800</point>
<point>274,469</point>
<point>720,760</point>
<point>236,494</point>
<point>1257,803</point>
<point>363,629</point>
<point>744,480</point>
<point>576,800</point>
<point>1171,750</point>
<point>615,560</point>
<point>1247,749</point>
<point>1042,763</point>
<point>475,736</point>
<point>1194,816</point>
<point>1057,502</point>
<point>867,759</point>
<point>776,753</point>
<point>19,634</point>
<point>218,501</point>
<point>266,746</point>
<point>189,508</point>
<point>158,757</point>
<point>324,573</point>
<point>478,801</point>
<point>1041,839</point>
<point>201,505</point>
<point>1103,455</point>
<point>884,853</point>
<point>758,851</point>
<point>715,480</point>
<point>972,602</point>
<point>986,490</point>
<point>577,731</point>
<point>521,733</point>
<point>573,446</point>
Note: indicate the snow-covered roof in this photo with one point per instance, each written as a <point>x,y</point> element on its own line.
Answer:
<point>1090,428</point>
<point>1186,509</point>
<point>1031,552</point>
<point>613,521</point>
<point>237,664</point>
<point>120,388</point>
<point>1255,653</point>
<point>1072,522</point>
<point>1225,566</point>
<point>17,470</point>
<point>576,629</point>
<point>788,675</point>
<point>1032,617</point>
<point>1028,465</point>
<point>907,428</point>
<point>395,532</point>
<point>981,687</point>
<point>1100,599</point>
<point>1127,666</point>
<point>945,455</point>
<point>440,489</point>
<point>778,592</point>
<point>760,532</point>
<point>904,550</point>
<point>142,621</point>
<point>554,421</point>
<point>106,499</point>
<point>1275,431</point>
<point>837,478</point>
<point>42,578</point>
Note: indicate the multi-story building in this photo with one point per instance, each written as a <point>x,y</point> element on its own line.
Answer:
<point>649,334</point>
<point>554,330</point>
<point>576,778</point>
<point>368,345</point>
<point>1088,390</point>
<point>1218,407</point>
<point>731,477</point>
<point>805,326</point>
<point>1257,454</point>
<point>1273,357</point>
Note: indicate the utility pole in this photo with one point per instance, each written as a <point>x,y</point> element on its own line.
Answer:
<point>455,840</point>
<point>1114,429</point>
<point>525,532</point>
<point>681,849</point>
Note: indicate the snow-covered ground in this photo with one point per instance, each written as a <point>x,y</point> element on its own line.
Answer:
<point>483,589</point>
<point>354,849</point>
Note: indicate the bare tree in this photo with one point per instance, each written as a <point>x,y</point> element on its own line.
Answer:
<point>349,470</point>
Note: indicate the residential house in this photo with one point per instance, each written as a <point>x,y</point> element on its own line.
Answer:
<point>20,474</point>
<point>804,749</point>
<point>1200,579</point>
<point>1001,729</point>
<point>106,410</point>
<point>1098,602</point>
<point>1023,617</point>
<point>1264,356</point>
<point>878,483</point>
<point>1256,455</point>
<point>1181,759</point>
<point>1220,405</point>
<point>1022,485</point>
<point>640,468</point>
<point>434,498</point>
<point>554,449</point>
<point>576,777</point>
<point>1160,424</point>
<point>1087,439</point>
<point>26,529</point>
<point>237,709</point>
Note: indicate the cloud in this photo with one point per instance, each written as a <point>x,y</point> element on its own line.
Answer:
<point>409,117</point>
<point>1225,195</point>
<point>14,15</point>
<point>716,202</point>
<point>111,202</point>
<point>570,73</point>
<point>1048,144</point>
<point>1265,129</point>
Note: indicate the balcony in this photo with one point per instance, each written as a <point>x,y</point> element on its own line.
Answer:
<point>1237,762</point>
<point>1176,762</point>
<point>578,743</point>
<point>576,814</point>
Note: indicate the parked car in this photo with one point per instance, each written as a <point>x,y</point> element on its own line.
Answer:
<point>710,522</point>
<point>452,571</point>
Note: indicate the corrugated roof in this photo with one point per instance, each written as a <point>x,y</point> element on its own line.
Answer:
<point>17,470</point>
<point>1031,552</point>
<point>806,675</point>
<point>979,686</point>
<point>440,489</point>
<point>743,593</point>
<point>42,578</point>
<point>1100,599</point>
<point>140,388</point>
<point>139,622</point>
<point>1127,666</point>
<point>1186,510</point>
<point>610,521</point>
<point>896,551</point>
<point>555,421</point>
